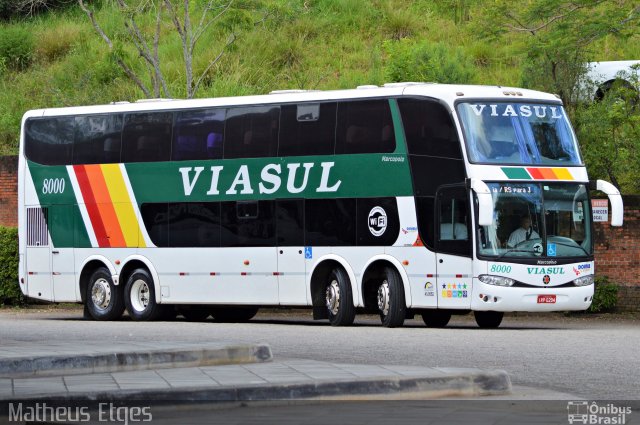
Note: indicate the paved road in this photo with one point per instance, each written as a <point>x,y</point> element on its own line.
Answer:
<point>593,358</point>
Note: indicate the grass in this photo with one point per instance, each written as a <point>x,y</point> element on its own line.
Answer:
<point>315,44</point>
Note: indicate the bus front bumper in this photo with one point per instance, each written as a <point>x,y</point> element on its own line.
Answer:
<point>500,298</point>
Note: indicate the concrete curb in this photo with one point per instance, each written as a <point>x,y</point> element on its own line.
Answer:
<point>477,383</point>
<point>37,366</point>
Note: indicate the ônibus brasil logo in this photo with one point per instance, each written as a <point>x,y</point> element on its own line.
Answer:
<point>377,221</point>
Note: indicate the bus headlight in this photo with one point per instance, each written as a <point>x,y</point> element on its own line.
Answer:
<point>584,280</point>
<point>496,280</point>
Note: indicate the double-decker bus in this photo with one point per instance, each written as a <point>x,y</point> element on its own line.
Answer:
<point>406,199</point>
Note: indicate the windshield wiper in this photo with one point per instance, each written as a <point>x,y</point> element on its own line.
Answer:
<point>513,250</point>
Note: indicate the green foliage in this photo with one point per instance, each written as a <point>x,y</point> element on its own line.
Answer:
<point>10,293</point>
<point>16,47</point>
<point>423,61</point>
<point>605,296</point>
<point>609,134</point>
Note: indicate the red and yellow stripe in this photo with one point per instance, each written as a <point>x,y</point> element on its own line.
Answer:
<point>537,173</point>
<point>109,206</point>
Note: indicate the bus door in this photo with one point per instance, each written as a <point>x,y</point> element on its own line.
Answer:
<point>61,218</point>
<point>38,254</point>
<point>453,247</point>
<point>292,286</point>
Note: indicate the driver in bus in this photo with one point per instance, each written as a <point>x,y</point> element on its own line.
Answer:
<point>522,233</point>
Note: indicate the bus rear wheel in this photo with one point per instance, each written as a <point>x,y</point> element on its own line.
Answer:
<point>436,318</point>
<point>140,296</point>
<point>488,319</point>
<point>391,303</point>
<point>103,299</point>
<point>338,298</point>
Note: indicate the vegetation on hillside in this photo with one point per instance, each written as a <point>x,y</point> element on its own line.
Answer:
<point>51,54</point>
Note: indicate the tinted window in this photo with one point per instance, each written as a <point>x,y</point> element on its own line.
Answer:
<point>453,222</point>
<point>429,129</point>
<point>330,222</point>
<point>425,210</point>
<point>251,132</point>
<point>378,222</point>
<point>290,222</point>
<point>147,137</point>
<point>156,221</point>
<point>194,224</point>
<point>307,129</point>
<point>365,127</point>
<point>430,172</point>
<point>98,139</point>
<point>49,141</point>
<point>248,223</point>
<point>198,134</point>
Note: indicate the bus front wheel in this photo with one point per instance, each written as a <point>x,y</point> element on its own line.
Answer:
<point>103,298</point>
<point>391,301</point>
<point>140,296</point>
<point>488,319</point>
<point>338,298</point>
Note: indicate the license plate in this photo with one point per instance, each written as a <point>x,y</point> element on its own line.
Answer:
<point>546,299</point>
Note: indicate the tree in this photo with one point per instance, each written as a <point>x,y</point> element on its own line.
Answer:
<point>560,36</point>
<point>146,40</point>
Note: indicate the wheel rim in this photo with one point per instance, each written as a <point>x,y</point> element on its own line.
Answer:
<point>101,294</point>
<point>383,297</point>
<point>333,297</point>
<point>140,295</point>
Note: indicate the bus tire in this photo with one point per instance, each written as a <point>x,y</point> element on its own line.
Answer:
<point>488,319</point>
<point>391,303</point>
<point>338,298</point>
<point>104,300</point>
<point>436,318</point>
<point>140,297</point>
<point>233,314</point>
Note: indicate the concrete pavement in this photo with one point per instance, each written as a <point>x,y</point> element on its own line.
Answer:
<point>162,372</point>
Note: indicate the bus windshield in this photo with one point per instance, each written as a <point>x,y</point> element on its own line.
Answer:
<point>518,133</point>
<point>535,220</point>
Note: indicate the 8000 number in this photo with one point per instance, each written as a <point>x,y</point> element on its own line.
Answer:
<point>498,268</point>
<point>53,186</point>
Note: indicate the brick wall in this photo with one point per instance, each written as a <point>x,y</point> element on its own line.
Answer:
<point>9,191</point>
<point>617,253</point>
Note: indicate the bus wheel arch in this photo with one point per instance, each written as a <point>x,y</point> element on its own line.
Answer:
<point>332,292</point>
<point>384,292</point>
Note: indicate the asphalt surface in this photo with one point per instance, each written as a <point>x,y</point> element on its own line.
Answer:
<point>583,356</point>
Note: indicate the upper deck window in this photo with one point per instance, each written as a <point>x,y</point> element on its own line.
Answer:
<point>518,133</point>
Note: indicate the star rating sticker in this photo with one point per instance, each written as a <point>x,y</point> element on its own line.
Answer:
<point>444,286</point>
<point>454,286</point>
<point>464,286</point>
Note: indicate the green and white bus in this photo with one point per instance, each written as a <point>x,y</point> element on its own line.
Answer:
<point>399,200</point>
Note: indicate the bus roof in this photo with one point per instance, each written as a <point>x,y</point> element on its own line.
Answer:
<point>446,92</point>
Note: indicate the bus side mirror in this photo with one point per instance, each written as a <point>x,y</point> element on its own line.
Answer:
<point>617,208</point>
<point>485,202</point>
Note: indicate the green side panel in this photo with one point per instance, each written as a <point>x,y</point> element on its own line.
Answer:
<point>363,175</point>
<point>516,173</point>
<point>65,221</point>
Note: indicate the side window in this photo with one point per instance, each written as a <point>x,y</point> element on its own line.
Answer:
<point>330,222</point>
<point>453,221</point>
<point>378,221</point>
<point>251,132</point>
<point>307,129</point>
<point>194,224</point>
<point>198,134</point>
<point>98,139</point>
<point>429,129</point>
<point>248,223</point>
<point>156,221</point>
<point>147,137</point>
<point>365,126</point>
<point>425,211</point>
<point>49,141</point>
<point>290,222</point>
